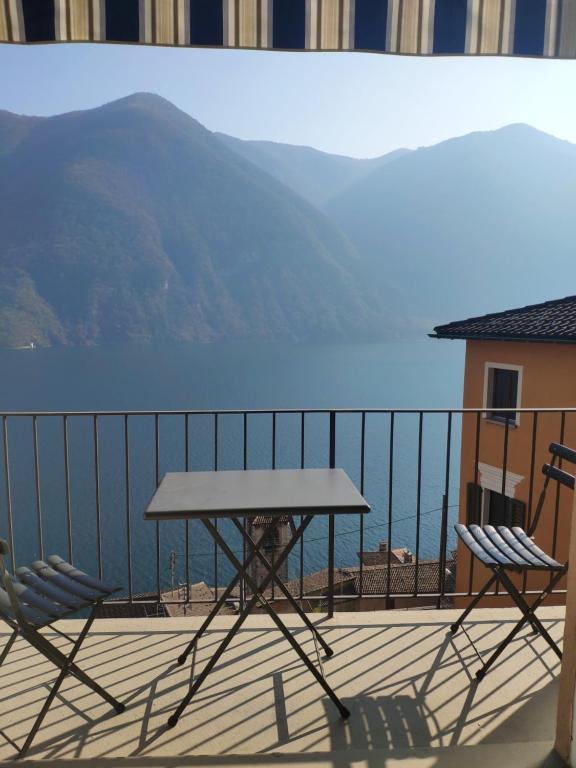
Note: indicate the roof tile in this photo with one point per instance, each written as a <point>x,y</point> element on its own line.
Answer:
<point>550,321</point>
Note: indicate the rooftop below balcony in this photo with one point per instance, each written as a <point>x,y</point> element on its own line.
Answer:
<point>409,685</point>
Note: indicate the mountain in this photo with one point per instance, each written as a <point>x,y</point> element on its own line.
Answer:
<point>133,221</point>
<point>475,224</point>
<point>13,130</point>
<point>316,176</point>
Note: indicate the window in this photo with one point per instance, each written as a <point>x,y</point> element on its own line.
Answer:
<point>502,390</point>
<point>502,510</point>
<point>486,507</point>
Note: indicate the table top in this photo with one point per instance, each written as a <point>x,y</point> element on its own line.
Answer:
<point>252,492</point>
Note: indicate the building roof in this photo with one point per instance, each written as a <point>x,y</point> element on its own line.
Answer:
<point>199,591</point>
<point>550,321</point>
<point>403,578</point>
<point>317,582</point>
<point>380,556</point>
<point>375,579</point>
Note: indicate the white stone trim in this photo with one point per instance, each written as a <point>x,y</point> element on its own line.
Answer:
<point>491,479</point>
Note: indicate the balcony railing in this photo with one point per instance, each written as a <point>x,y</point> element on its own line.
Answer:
<point>77,483</point>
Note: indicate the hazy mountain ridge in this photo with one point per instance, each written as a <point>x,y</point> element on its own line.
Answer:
<point>133,221</point>
<point>316,176</point>
<point>475,224</point>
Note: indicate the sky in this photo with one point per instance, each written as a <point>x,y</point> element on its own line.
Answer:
<point>356,104</point>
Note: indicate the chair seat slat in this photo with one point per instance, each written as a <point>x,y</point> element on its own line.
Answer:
<point>508,551</point>
<point>82,578</point>
<point>26,594</point>
<point>518,546</point>
<point>51,591</point>
<point>524,539</point>
<point>48,573</point>
<point>486,544</point>
<point>473,546</point>
<point>32,615</point>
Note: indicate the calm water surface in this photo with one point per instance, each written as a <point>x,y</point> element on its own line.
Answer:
<point>422,374</point>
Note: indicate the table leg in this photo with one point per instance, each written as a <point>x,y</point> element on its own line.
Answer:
<point>173,719</point>
<point>280,584</point>
<point>272,613</point>
<point>216,608</point>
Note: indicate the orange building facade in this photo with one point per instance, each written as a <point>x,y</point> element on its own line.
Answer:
<point>527,359</point>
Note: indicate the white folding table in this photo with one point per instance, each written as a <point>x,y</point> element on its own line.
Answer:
<point>235,495</point>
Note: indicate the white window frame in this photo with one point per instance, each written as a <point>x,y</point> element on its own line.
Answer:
<point>490,481</point>
<point>506,367</point>
<point>485,512</point>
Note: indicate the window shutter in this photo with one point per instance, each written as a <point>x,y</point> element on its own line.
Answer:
<point>473,504</point>
<point>517,513</point>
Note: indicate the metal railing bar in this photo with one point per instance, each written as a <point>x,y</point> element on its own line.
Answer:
<point>270,411</point>
<point>8,491</point>
<point>531,486</point>
<point>532,467</point>
<point>477,447</point>
<point>273,442</point>
<point>67,490</point>
<point>37,490</point>
<point>418,499</point>
<point>390,492</point>
<point>302,465</point>
<point>215,521</point>
<point>244,520</point>
<point>97,494</point>
<point>273,467</point>
<point>445,501</point>
<point>127,502</point>
<point>187,522</point>
<point>476,461</point>
<point>157,479</point>
<point>505,456</point>
<point>362,484</point>
<point>331,520</point>
<point>505,500</point>
<point>557,500</point>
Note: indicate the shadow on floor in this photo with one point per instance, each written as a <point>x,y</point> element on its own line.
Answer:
<point>393,723</point>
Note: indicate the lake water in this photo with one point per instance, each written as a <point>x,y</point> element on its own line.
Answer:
<point>421,374</point>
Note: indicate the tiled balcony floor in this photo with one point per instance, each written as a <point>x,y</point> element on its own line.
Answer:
<point>407,682</point>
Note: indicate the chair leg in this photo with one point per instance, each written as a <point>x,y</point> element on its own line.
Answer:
<point>8,645</point>
<point>67,666</point>
<point>529,610</point>
<point>528,616</point>
<point>456,626</point>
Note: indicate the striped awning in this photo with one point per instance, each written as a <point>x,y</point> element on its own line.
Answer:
<point>541,28</point>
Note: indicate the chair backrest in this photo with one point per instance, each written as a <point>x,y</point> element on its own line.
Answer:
<point>562,452</point>
<point>552,472</point>
<point>14,603</point>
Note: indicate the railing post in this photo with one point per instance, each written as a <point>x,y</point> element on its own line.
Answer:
<point>444,528</point>
<point>442,553</point>
<point>8,491</point>
<point>331,520</point>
